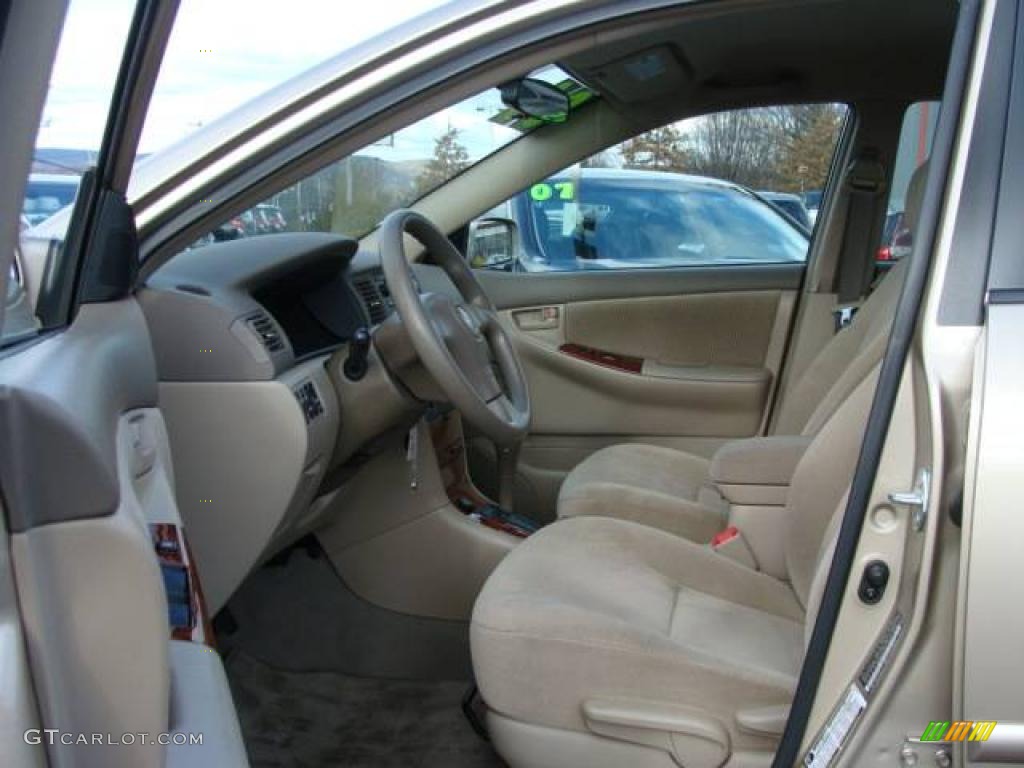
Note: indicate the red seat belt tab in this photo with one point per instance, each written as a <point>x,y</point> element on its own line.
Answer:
<point>725,535</point>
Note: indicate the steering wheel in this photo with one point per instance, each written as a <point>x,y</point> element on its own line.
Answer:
<point>460,341</point>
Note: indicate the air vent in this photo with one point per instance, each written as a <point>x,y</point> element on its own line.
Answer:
<point>373,291</point>
<point>267,332</point>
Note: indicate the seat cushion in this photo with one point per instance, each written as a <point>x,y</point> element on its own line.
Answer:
<point>649,484</point>
<point>596,608</point>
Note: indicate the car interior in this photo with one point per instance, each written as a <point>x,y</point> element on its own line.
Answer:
<point>402,511</point>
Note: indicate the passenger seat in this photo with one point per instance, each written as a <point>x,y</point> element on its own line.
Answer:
<point>672,490</point>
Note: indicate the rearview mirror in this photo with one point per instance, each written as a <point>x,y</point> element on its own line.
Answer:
<point>493,243</point>
<point>535,98</point>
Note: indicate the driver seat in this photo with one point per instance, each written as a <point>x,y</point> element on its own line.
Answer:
<point>672,490</point>
<point>604,642</point>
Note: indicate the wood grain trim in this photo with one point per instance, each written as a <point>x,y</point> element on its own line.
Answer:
<point>172,549</point>
<point>617,362</point>
<point>203,632</point>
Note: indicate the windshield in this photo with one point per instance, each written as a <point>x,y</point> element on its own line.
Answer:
<point>586,221</point>
<point>353,195</point>
<point>224,53</point>
<point>219,56</point>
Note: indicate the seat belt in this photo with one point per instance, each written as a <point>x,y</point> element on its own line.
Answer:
<point>865,182</point>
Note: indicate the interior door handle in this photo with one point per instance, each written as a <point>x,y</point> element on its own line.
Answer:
<point>143,448</point>
<point>538,319</point>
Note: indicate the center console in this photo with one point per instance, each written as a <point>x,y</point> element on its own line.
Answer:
<point>409,531</point>
<point>450,447</point>
<point>753,476</point>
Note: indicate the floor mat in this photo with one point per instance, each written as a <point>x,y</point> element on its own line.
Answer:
<point>329,719</point>
<point>299,615</point>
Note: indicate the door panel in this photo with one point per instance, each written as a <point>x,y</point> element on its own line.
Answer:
<point>87,474</point>
<point>88,583</point>
<point>684,365</point>
<point>17,697</point>
<point>686,358</point>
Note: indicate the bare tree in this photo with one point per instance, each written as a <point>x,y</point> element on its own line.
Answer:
<point>737,146</point>
<point>808,135</point>
<point>662,149</point>
<point>785,148</point>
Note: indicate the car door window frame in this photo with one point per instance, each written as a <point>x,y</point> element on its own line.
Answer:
<point>29,37</point>
<point>100,217</point>
<point>519,208</point>
<point>901,339</point>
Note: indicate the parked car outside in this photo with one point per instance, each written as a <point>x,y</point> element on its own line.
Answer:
<point>790,204</point>
<point>897,239</point>
<point>47,193</point>
<point>600,218</point>
<point>232,229</point>
<point>812,202</point>
<point>264,219</point>
<point>269,219</point>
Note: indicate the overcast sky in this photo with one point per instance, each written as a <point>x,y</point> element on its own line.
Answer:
<point>221,54</point>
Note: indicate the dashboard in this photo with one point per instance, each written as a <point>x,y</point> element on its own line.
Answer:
<point>252,308</point>
<point>250,337</point>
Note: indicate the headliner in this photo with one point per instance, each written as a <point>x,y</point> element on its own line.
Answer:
<point>770,52</point>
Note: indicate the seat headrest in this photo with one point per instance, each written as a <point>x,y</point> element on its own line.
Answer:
<point>915,195</point>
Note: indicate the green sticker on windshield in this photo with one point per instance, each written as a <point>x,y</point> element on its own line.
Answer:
<point>564,190</point>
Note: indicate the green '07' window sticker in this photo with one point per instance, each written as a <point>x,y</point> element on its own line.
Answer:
<point>564,190</point>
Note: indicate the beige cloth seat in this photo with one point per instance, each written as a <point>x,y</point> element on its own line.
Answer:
<point>649,484</point>
<point>603,642</point>
<point>672,490</point>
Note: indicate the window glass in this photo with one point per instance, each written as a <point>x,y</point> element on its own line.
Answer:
<point>224,53</point>
<point>615,218</point>
<point>737,187</point>
<point>70,131</point>
<point>915,147</point>
<point>354,194</point>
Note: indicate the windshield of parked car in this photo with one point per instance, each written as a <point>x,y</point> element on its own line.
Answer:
<point>46,194</point>
<point>613,219</point>
<point>353,195</point>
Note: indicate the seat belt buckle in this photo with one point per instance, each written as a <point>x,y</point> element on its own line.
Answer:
<point>844,315</point>
<point>731,544</point>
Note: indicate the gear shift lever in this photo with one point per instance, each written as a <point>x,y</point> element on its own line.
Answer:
<point>358,350</point>
<point>500,515</point>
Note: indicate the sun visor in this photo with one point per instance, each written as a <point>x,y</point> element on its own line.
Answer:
<point>643,76</point>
